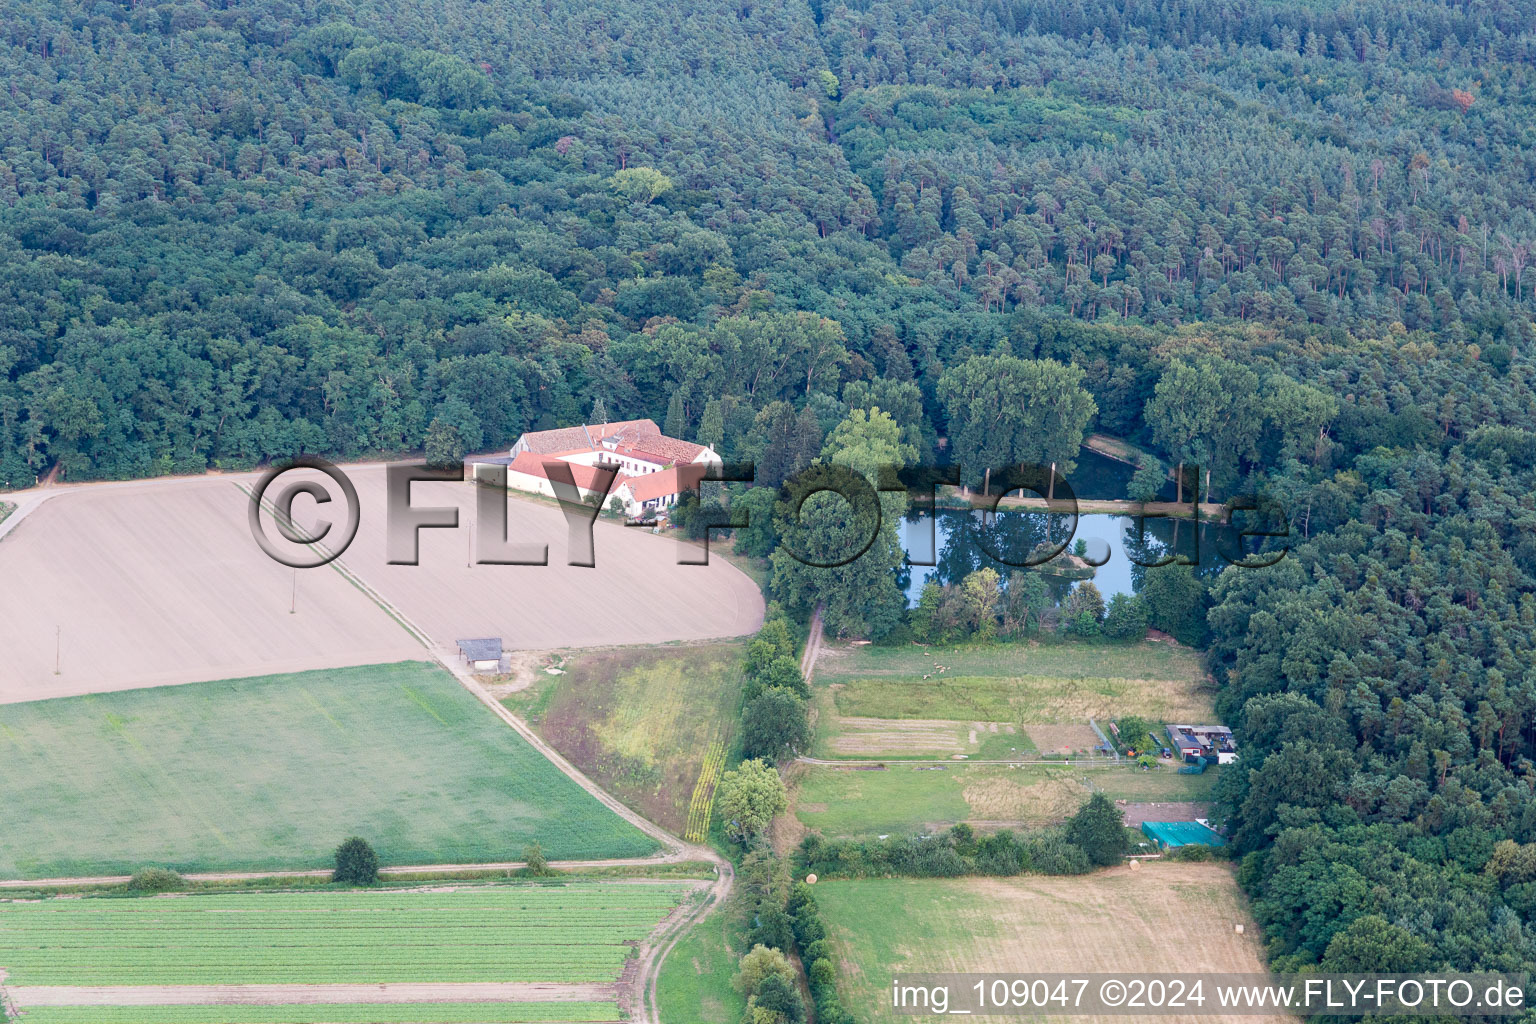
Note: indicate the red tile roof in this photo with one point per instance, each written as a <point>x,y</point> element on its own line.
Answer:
<point>665,483</point>
<point>532,464</point>
<point>637,441</point>
<point>566,439</point>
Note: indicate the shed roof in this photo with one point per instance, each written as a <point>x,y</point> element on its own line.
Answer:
<point>484,648</point>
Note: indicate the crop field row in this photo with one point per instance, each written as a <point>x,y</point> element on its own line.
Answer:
<point>703,801</point>
<point>572,933</point>
<point>332,1013</point>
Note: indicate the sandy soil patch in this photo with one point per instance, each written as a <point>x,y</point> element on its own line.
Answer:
<point>1062,739</point>
<point>636,593</point>
<point>159,582</point>
<point>162,583</point>
<point>1136,813</point>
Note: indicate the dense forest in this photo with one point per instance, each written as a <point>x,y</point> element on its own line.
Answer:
<point>1288,243</point>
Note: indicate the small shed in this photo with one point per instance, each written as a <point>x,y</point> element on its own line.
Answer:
<point>482,653</point>
<point>1172,834</point>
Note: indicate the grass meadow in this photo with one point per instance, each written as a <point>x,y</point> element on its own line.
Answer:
<point>1166,917</point>
<point>695,982</point>
<point>1020,683</point>
<point>906,798</point>
<point>273,772</point>
<point>639,720</point>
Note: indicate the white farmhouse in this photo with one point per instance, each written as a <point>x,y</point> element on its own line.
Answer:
<point>654,470</point>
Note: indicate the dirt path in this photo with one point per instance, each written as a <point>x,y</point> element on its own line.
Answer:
<point>660,944</point>
<point>812,646</point>
<point>25,996</point>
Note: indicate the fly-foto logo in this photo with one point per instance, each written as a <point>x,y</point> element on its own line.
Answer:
<point>1043,489</point>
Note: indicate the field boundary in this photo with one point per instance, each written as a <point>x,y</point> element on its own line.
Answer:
<point>308,995</point>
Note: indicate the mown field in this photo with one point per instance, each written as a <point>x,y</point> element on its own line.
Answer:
<point>906,798</point>
<point>332,1013</point>
<point>695,985</point>
<point>1026,684</point>
<point>639,720</point>
<point>575,932</point>
<point>1166,917</point>
<point>273,772</point>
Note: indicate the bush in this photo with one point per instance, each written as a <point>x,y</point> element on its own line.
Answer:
<point>808,928</point>
<point>155,880</point>
<point>356,863</point>
<point>1126,619</point>
<point>820,973</point>
<point>1051,854</point>
<point>1194,851</point>
<point>1098,828</point>
<point>537,863</point>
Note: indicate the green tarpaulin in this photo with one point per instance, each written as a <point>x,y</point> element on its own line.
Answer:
<point>1180,833</point>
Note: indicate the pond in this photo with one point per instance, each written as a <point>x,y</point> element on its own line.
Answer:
<point>960,541</point>
<point>966,541</point>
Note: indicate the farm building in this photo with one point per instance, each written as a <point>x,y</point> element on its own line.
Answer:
<point>654,470</point>
<point>482,653</point>
<point>1213,741</point>
<point>1172,834</point>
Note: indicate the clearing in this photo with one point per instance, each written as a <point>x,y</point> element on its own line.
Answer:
<point>562,949</point>
<point>1166,917</point>
<point>1000,701</point>
<point>906,797</point>
<point>159,582</point>
<point>639,721</point>
<point>273,772</point>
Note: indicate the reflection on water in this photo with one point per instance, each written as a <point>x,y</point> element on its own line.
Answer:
<point>971,540</point>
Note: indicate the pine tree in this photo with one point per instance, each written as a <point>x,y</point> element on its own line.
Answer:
<point>599,411</point>
<point>677,416</point>
<point>712,424</point>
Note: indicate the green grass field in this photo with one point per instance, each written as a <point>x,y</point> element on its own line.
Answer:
<point>575,932</point>
<point>1020,683</point>
<point>273,772</point>
<point>847,802</point>
<point>695,982</point>
<point>638,720</point>
<point>331,1013</point>
<point>1064,659</point>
